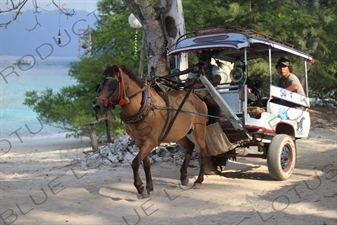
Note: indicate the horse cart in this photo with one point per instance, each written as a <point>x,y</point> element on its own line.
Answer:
<point>269,130</point>
<point>155,114</point>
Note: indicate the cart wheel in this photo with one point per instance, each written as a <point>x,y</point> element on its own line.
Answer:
<point>214,165</point>
<point>281,157</point>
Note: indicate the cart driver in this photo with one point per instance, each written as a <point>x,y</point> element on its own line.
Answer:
<point>212,72</point>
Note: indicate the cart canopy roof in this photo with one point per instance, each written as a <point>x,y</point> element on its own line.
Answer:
<point>230,44</point>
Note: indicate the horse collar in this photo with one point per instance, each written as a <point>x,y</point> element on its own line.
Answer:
<point>141,114</point>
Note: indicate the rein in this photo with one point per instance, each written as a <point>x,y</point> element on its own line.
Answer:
<point>168,128</point>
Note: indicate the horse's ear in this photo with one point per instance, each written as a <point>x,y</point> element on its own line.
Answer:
<point>107,65</point>
<point>115,68</point>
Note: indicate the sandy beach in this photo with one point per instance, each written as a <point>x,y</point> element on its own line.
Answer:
<point>42,182</point>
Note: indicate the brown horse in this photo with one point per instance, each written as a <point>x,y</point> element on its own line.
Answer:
<point>150,119</point>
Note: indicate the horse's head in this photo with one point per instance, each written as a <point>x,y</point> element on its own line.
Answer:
<point>108,90</point>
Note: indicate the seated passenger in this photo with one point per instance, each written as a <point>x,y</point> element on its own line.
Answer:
<point>253,93</point>
<point>212,72</point>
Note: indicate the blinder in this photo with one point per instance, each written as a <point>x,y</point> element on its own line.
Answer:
<point>114,84</point>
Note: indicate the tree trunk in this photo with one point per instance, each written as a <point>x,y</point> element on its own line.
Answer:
<point>150,18</point>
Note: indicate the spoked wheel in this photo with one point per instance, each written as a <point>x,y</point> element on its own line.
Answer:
<point>214,165</point>
<point>281,157</point>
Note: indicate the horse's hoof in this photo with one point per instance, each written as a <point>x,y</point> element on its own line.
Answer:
<point>144,194</point>
<point>184,182</point>
<point>197,186</point>
<point>149,188</point>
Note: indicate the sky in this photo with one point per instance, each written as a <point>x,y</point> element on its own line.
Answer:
<point>88,5</point>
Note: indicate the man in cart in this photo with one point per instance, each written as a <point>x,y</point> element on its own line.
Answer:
<point>212,72</point>
<point>288,81</point>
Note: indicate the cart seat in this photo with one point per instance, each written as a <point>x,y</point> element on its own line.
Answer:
<point>255,111</point>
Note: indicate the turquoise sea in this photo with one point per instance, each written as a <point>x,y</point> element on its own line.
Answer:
<point>18,121</point>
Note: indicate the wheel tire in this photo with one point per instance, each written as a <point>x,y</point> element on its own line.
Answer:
<point>214,165</point>
<point>281,157</point>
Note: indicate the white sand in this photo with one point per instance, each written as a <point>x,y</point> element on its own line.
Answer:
<point>41,182</point>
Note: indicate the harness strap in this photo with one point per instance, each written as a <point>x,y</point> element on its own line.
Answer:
<point>145,86</point>
<point>163,132</point>
<point>168,128</point>
<point>174,74</point>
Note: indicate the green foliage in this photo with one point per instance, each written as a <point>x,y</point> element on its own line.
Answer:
<point>71,108</point>
<point>115,37</point>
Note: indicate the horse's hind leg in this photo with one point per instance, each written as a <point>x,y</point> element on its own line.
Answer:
<point>188,146</point>
<point>147,169</point>
<point>200,138</point>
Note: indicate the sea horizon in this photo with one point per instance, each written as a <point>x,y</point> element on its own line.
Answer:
<point>18,121</point>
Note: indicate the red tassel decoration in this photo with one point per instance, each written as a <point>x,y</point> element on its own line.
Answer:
<point>121,101</point>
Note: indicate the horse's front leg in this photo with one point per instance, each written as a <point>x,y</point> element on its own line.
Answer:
<point>137,181</point>
<point>147,170</point>
<point>143,156</point>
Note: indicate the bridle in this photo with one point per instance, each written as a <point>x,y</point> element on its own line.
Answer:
<point>118,88</point>
<point>107,103</point>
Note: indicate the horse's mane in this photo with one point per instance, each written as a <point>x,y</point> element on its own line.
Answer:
<point>111,70</point>
<point>133,76</point>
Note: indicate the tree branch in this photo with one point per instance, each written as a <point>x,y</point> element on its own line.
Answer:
<point>37,23</point>
<point>17,9</point>
<point>63,10</point>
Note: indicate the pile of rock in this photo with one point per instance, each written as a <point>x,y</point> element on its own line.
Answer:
<point>328,103</point>
<point>123,150</point>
